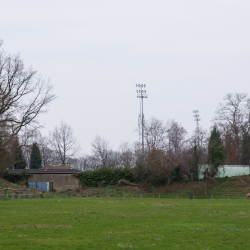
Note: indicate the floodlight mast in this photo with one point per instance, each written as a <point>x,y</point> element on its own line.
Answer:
<point>197,119</point>
<point>141,93</point>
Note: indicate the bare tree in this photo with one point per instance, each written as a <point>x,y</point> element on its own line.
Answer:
<point>233,120</point>
<point>176,139</point>
<point>168,144</point>
<point>82,163</point>
<point>155,134</point>
<point>113,159</point>
<point>161,165</point>
<point>140,156</point>
<point>23,94</point>
<point>91,162</point>
<point>49,156</point>
<point>194,154</point>
<point>64,143</point>
<point>100,148</point>
<point>127,157</point>
<point>165,142</point>
<point>169,136</point>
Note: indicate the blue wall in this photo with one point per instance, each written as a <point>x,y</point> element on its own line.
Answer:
<point>44,186</point>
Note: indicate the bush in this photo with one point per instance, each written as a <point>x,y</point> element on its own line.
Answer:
<point>153,176</point>
<point>14,178</point>
<point>149,176</point>
<point>222,179</point>
<point>104,176</point>
<point>177,174</point>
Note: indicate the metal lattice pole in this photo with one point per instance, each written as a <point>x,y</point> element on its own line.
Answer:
<point>141,93</point>
<point>142,125</point>
<point>197,119</point>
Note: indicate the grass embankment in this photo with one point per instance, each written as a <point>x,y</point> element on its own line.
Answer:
<point>221,188</point>
<point>8,185</point>
<point>84,223</point>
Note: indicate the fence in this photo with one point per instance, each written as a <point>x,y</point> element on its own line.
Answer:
<point>113,193</point>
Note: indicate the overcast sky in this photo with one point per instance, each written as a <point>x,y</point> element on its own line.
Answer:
<point>188,53</point>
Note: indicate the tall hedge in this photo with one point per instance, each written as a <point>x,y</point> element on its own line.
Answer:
<point>104,176</point>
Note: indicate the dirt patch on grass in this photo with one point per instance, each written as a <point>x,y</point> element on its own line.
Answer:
<point>43,226</point>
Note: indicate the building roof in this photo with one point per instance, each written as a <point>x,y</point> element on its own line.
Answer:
<point>44,171</point>
<point>56,167</point>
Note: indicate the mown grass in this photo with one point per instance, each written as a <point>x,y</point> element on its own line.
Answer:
<point>106,223</point>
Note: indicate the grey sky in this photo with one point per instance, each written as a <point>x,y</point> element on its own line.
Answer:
<point>189,53</point>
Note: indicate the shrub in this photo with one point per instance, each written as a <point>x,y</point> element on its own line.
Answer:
<point>14,178</point>
<point>104,176</point>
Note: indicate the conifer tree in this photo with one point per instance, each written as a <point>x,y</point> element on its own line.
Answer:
<point>216,154</point>
<point>19,161</point>
<point>35,157</point>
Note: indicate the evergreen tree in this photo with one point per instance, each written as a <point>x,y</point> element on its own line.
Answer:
<point>19,161</point>
<point>35,157</point>
<point>216,155</point>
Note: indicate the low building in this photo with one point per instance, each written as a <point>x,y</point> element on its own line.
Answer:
<point>50,179</point>
<point>228,170</point>
<point>56,167</point>
<point>234,170</point>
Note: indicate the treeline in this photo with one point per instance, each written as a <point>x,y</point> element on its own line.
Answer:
<point>32,150</point>
<point>168,156</point>
<point>169,153</point>
<point>233,120</point>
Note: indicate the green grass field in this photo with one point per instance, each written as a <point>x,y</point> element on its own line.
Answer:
<point>92,223</point>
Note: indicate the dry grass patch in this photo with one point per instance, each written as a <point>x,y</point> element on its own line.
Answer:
<point>43,226</point>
